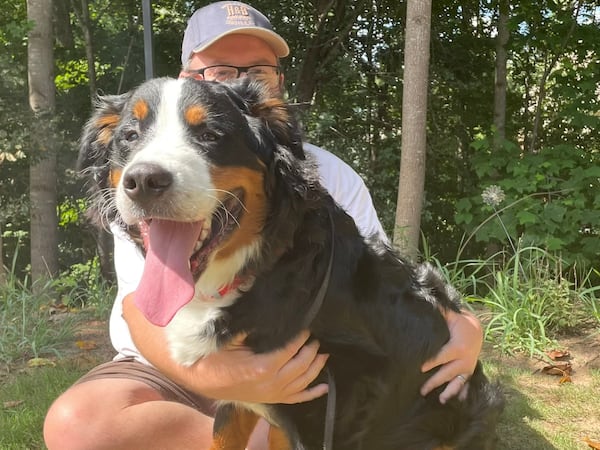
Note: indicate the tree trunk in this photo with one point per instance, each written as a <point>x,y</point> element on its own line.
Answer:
<point>500,85</point>
<point>42,168</point>
<point>548,67</point>
<point>411,182</point>
<point>63,32</point>
<point>334,21</point>
<point>86,28</point>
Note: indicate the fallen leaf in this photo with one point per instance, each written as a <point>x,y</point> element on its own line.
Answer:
<point>13,403</point>
<point>560,369</point>
<point>565,379</point>
<point>592,444</point>
<point>40,362</point>
<point>555,354</point>
<point>86,345</point>
<point>55,308</point>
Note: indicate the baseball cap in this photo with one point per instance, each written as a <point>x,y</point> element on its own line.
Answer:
<point>210,23</point>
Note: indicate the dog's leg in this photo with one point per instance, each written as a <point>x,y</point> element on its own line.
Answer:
<point>278,439</point>
<point>233,427</point>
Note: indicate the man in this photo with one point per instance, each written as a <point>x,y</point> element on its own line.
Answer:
<point>129,403</point>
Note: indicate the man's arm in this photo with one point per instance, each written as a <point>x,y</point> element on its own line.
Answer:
<point>235,372</point>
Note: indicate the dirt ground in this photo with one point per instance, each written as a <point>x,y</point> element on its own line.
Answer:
<point>583,355</point>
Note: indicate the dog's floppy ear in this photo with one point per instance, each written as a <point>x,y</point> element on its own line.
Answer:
<point>272,111</point>
<point>97,136</point>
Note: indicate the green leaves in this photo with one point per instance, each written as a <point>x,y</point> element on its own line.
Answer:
<point>525,217</point>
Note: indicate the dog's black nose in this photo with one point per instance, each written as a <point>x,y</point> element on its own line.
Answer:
<point>145,181</point>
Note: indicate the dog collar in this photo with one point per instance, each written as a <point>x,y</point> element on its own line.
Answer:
<point>227,288</point>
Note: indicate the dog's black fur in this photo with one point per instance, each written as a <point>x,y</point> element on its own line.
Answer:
<point>381,318</point>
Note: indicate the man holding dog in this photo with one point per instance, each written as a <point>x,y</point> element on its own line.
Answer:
<point>149,401</point>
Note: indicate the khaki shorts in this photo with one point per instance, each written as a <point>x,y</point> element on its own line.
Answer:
<point>131,369</point>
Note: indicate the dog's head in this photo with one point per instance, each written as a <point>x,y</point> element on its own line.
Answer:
<point>190,164</point>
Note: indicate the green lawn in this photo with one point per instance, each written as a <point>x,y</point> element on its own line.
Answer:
<point>541,413</point>
<point>25,397</point>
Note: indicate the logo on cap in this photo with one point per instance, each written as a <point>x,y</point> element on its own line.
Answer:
<point>238,15</point>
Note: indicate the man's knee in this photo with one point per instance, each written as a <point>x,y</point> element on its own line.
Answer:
<point>87,415</point>
<point>65,421</point>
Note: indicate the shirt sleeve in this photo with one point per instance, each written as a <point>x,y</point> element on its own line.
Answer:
<point>129,266</point>
<point>349,191</point>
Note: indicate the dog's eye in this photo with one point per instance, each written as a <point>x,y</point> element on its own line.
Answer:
<point>209,136</point>
<point>131,136</point>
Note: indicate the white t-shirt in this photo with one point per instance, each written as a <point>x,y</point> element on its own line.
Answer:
<point>341,181</point>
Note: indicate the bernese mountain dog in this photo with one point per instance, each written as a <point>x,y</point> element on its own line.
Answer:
<point>239,236</point>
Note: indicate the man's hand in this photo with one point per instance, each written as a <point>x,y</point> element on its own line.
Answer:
<point>281,376</point>
<point>235,372</point>
<point>458,357</point>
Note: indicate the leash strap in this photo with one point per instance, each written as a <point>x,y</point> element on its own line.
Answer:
<point>329,412</point>
<point>312,313</point>
<point>318,301</point>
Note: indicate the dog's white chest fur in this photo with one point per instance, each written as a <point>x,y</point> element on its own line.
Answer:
<point>191,333</point>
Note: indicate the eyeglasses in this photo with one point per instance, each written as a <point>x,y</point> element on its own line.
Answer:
<point>225,72</point>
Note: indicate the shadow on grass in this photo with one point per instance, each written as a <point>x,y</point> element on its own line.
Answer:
<point>514,431</point>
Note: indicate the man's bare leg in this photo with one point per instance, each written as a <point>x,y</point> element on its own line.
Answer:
<point>115,413</point>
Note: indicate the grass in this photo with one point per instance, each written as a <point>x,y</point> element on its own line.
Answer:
<point>29,330</point>
<point>24,399</point>
<point>26,328</point>
<point>543,414</point>
<point>528,298</point>
<point>527,303</point>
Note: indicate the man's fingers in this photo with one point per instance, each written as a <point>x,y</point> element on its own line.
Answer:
<point>447,373</point>
<point>300,371</point>
<point>307,394</point>
<point>300,363</point>
<point>442,357</point>
<point>294,346</point>
<point>454,387</point>
<point>308,376</point>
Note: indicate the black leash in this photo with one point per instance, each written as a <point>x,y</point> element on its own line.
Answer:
<point>318,301</point>
<point>329,412</point>
<point>312,313</point>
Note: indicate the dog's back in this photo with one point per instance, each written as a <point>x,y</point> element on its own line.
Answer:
<point>380,320</point>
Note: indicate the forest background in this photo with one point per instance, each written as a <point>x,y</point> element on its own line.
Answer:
<point>347,62</point>
<point>510,206</point>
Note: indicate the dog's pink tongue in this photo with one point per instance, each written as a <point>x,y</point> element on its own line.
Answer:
<point>167,283</point>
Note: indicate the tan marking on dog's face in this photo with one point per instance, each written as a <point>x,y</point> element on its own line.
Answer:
<point>115,177</point>
<point>195,115</point>
<point>255,205</point>
<point>106,124</point>
<point>140,109</point>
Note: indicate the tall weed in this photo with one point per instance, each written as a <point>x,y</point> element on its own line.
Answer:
<point>525,300</point>
<point>26,327</point>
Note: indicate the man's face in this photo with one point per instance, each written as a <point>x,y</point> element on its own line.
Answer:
<point>236,50</point>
